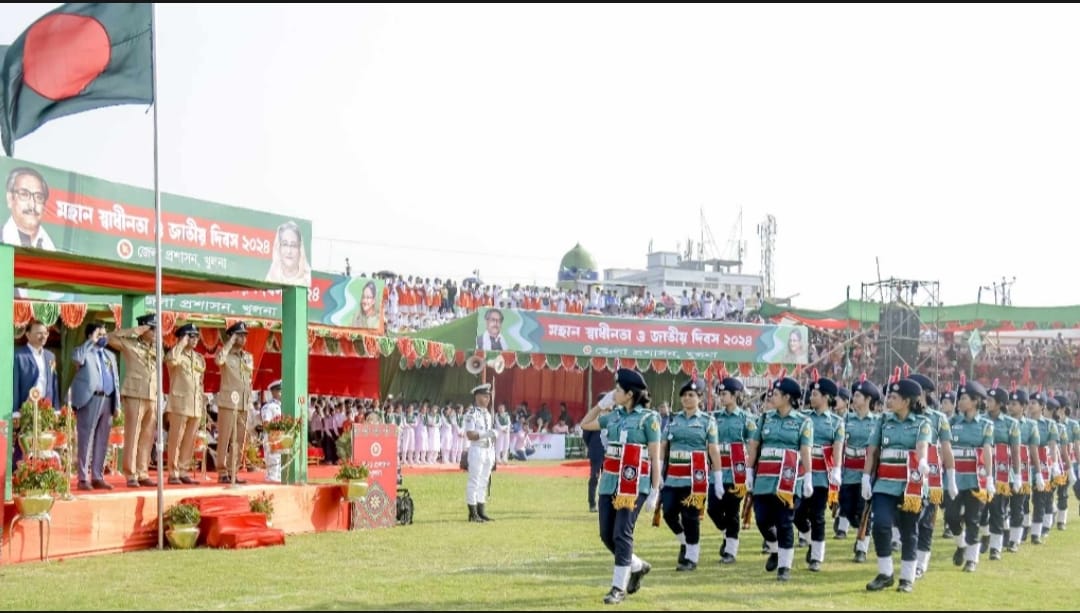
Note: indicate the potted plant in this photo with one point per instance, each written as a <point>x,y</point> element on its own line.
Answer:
<point>353,478</point>
<point>281,432</point>
<point>65,424</point>
<point>263,503</point>
<point>35,484</point>
<point>182,525</point>
<point>116,434</point>
<point>42,409</point>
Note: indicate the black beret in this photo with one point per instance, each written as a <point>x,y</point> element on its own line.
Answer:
<point>999,394</point>
<point>788,386</point>
<point>630,379</point>
<point>825,385</point>
<point>729,384</point>
<point>692,385</point>
<point>971,388</point>
<point>1052,403</point>
<point>1018,395</point>
<point>906,388</point>
<point>844,393</point>
<point>1038,397</point>
<point>923,381</point>
<point>951,397</point>
<point>868,389</point>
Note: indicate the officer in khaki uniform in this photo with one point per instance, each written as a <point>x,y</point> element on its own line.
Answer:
<point>138,396</point>
<point>186,402</point>
<point>233,400</point>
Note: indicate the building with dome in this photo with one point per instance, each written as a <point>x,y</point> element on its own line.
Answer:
<point>578,269</point>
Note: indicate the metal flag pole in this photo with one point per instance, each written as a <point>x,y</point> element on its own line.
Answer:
<point>157,292</point>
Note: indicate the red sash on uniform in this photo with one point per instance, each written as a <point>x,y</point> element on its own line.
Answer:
<point>854,459</point>
<point>737,464</point>
<point>834,490</point>
<point>937,493</point>
<point>976,466</point>
<point>1063,477</point>
<point>1044,468</point>
<point>1025,470</point>
<point>626,492</point>
<point>1001,469</point>
<point>699,479</point>
<point>785,469</point>
<point>908,473</point>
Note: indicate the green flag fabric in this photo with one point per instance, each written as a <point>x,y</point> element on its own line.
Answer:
<point>75,58</point>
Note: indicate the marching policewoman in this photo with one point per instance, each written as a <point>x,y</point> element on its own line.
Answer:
<point>780,449</point>
<point>897,456</point>
<point>630,480</point>
<point>826,471</point>
<point>735,427</point>
<point>970,485</point>
<point>859,426</point>
<point>690,445</point>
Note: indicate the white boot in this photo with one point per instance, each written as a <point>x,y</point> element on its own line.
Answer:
<point>621,577</point>
<point>692,552</point>
<point>731,547</point>
<point>817,551</point>
<point>785,558</point>
<point>885,566</point>
<point>922,562</point>
<point>907,570</point>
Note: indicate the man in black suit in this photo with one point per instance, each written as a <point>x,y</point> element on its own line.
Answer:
<point>35,368</point>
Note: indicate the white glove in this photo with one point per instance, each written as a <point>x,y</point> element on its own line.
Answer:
<point>749,479</point>
<point>924,468</point>
<point>607,401</point>
<point>807,485</point>
<point>718,483</point>
<point>867,489</point>
<point>834,476</point>
<point>1040,483</point>
<point>1017,483</point>
<point>491,434</point>
<point>1072,478</point>
<point>990,487</point>
<point>1055,472</point>
<point>953,490</point>
<point>651,500</point>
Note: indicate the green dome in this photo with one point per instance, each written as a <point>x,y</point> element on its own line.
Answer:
<point>579,260</point>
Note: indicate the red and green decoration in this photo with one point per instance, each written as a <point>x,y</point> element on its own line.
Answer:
<point>578,363</point>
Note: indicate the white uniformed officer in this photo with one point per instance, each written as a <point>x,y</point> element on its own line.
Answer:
<point>481,435</point>
<point>267,413</point>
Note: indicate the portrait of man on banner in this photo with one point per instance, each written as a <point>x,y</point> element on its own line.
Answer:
<point>27,195</point>
<point>289,265</point>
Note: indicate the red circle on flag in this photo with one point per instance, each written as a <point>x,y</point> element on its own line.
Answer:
<point>63,54</point>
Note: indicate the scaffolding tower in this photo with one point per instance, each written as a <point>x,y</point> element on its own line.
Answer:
<point>909,325</point>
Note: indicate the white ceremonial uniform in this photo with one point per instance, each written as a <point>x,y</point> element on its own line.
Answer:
<point>481,454</point>
<point>268,412</point>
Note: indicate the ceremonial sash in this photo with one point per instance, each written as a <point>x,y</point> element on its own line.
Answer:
<point>734,459</point>
<point>630,467</point>
<point>854,459</point>
<point>697,471</point>
<point>1001,469</point>
<point>1025,470</point>
<point>1062,478</point>
<point>902,465</point>
<point>970,461</point>
<point>827,461</point>
<point>782,464</point>
<point>1044,468</point>
<point>933,480</point>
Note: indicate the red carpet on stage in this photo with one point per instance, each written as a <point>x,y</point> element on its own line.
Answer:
<point>228,522</point>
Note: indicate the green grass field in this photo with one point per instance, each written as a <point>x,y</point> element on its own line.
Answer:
<point>543,552</point>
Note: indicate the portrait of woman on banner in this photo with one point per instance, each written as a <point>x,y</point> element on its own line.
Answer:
<point>367,316</point>
<point>289,265</point>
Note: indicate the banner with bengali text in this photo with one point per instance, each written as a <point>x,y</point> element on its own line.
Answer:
<point>668,339</point>
<point>54,210</point>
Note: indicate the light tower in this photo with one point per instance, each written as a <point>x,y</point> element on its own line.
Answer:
<point>767,233</point>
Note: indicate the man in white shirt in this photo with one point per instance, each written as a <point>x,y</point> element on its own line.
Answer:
<point>267,413</point>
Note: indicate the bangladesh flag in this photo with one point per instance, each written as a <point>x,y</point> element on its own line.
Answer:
<point>75,58</point>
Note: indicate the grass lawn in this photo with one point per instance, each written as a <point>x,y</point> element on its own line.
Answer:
<point>542,552</point>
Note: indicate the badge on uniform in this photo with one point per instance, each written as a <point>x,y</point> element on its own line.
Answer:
<point>655,426</point>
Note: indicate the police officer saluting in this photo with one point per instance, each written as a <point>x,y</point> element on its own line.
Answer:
<point>689,447</point>
<point>631,477</point>
<point>733,480</point>
<point>187,402</point>
<point>233,399</point>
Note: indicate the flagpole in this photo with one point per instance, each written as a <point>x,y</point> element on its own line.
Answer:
<point>160,448</point>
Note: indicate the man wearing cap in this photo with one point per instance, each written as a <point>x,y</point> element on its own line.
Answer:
<point>939,455</point>
<point>1019,521</point>
<point>1005,468</point>
<point>267,413</point>
<point>1042,498</point>
<point>689,443</point>
<point>138,395</point>
<point>897,458</point>
<point>735,428</point>
<point>233,399</point>
<point>186,401</point>
<point>859,426</point>
<point>827,461</point>
<point>481,435</point>
<point>780,456</point>
<point>971,435</point>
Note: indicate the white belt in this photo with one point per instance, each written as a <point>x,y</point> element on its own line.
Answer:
<point>894,454</point>
<point>965,452</point>
<point>725,447</point>
<point>855,453</point>
<point>772,453</point>
<point>817,451</point>
<point>680,455</point>
<point>613,451</point>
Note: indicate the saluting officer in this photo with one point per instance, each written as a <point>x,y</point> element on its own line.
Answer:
<point>187,402</point>
<point>689,446</point>
<point>138,394</point>
<point>478,429</point>
<point>631,476</point>
<point>735,429</point>
<point>779,452</point>
<point>233,400</point>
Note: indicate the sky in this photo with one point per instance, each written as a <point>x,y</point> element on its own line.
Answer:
<point>935,143</point>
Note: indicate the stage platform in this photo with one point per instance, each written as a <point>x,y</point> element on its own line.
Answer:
<point>125,519</point>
